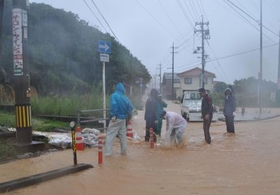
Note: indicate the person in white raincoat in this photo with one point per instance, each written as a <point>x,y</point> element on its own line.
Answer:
<point>175,127</point>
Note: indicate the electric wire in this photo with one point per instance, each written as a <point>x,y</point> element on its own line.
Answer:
<point>105,20</point>
<point>95,16</point>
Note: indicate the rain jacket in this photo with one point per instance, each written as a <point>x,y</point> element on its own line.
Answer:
<point>174,121</point>
<point>151,110</point>
<point>206,106</point>
<point>120,105</point>
<point>230,104</point>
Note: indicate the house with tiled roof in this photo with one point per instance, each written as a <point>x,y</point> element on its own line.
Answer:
<point>187,80</point>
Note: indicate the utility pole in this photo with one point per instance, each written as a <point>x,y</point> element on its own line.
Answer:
<point>160,78</point>
<point>204,35</point>
<point>278,78</point>
<point>1,24</point>
<point>23,120</point>
<point>260,73</point>
<point>172,87</point>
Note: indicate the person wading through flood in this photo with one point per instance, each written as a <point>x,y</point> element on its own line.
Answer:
<point>151,114</point>
<point>175,128</point>
<point>229,110</point>
<point>161,104</point>
<point>120,109</point>
<point>207,113</point>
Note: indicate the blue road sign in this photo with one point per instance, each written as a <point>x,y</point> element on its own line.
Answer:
<point>104,47</point>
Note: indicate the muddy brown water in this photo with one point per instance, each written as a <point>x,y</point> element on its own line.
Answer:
<point>245,163</point>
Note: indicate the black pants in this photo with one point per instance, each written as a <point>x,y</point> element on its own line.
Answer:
<point>230,124</point>
<point>206,128</point>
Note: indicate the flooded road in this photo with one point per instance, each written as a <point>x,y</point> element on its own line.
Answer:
<point>245,163</point>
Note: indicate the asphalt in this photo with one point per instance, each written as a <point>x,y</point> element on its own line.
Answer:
<point>38,178</point>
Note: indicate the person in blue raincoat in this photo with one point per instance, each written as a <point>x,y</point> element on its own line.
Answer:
<point>120,108</point>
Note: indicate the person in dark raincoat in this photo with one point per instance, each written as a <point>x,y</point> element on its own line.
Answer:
<point>229,110</point>
<point>151,113</point>
<point>207,113</point>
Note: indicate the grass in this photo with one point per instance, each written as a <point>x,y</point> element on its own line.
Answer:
<point>38,124</point>
<point>8,151</point>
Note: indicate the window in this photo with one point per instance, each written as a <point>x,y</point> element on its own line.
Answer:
<point>205,80</point>
<point>188,80</point>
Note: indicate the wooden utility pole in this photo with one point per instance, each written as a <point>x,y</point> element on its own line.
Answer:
<point>21,71</point>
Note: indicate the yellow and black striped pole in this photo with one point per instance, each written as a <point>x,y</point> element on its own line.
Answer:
<point>73,132</point>
<point>23,123</point>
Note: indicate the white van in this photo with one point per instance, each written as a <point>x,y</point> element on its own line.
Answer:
<point>191,106</point>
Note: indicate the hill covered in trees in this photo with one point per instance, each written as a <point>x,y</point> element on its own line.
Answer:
<point>63,54</point>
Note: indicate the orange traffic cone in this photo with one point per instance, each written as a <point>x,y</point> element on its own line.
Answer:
<point>129,130</point>
<point>80,145</point>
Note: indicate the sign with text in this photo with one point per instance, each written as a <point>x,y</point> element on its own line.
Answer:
<point>17,41</point>
<point>104,57</point>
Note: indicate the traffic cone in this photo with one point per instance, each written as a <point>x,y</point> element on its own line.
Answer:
<point>129,130</point>
<point>80,145</point>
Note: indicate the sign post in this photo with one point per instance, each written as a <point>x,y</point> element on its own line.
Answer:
<point>104,48</point>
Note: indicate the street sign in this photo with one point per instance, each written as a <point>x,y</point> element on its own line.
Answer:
<point>104,47</point>
<point>104,57</point>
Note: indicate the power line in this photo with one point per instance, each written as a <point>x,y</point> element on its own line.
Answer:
<point>241,53</point>
<point>104,20</point>
<point>154,18</point>
<point>251,17</point>
<point>95,16</point>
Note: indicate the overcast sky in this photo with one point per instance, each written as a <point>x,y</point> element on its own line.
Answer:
<point>148,28</point>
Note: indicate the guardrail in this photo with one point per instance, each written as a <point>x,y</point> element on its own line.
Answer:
<point>84,120</point>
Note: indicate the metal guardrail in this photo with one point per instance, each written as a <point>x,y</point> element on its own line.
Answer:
<point>83,120</point>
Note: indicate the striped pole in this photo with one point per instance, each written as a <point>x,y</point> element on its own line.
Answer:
<point>100,149</point>
<point>73,132</point>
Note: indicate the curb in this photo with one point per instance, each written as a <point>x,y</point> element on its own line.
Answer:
<point>38,178</point>
<point>251,119</point>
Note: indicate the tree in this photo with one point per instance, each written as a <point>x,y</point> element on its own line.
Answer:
<point>63,53</point>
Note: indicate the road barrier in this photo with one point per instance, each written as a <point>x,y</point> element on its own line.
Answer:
<point>80,145</point>
<point>129,129</point>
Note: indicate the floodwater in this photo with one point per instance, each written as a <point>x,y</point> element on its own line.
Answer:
<point>247,162</point>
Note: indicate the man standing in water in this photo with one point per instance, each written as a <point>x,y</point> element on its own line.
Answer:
<point>229,109</point>
<point>207,113</point>
<point>120,108</point>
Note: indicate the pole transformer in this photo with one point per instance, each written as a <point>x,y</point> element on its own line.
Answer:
<point>21,71</point>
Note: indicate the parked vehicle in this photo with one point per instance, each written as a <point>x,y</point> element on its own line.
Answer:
<point>191,106</point>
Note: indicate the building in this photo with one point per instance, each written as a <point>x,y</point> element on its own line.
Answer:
<point>167,86</point>
<point>187,80</point>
